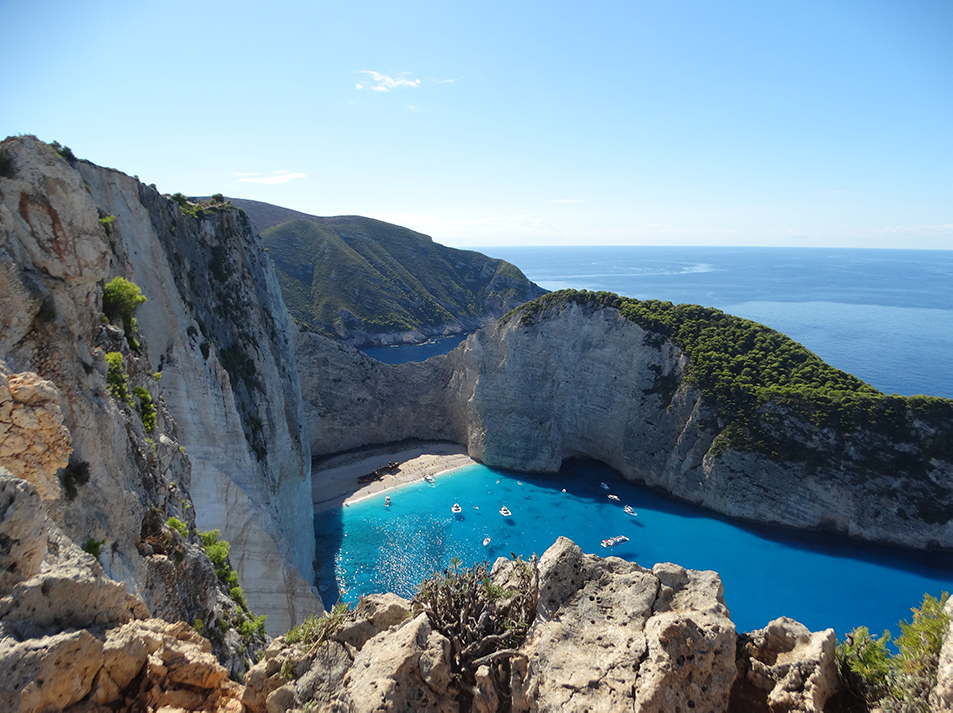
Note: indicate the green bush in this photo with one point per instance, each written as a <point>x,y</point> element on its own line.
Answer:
<point>6,165</point>
<point>120,299</point>
<point>902,681</point>
<point>116,376</point>
<point>147,409</point>
<point>94,547</point>
<point>176,524</point>
<point>107,223</point>
<point>316,629</point>
<point>64,151</point>
<point>218,198</point>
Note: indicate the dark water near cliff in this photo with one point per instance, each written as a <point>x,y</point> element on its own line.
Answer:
<point>884,315</point>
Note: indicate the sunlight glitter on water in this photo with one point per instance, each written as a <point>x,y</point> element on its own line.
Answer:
<point>819,579</point>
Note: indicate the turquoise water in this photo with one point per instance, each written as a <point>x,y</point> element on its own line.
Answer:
<point>820,580</point>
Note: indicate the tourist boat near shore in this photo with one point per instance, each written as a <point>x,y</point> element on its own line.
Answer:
<point>629,510</point>
<point>429,479</point>
<point>456,508</point>
<point>613,541</point>
<point>505,511</point>
<point>387,501</point>
<point>614,497</point>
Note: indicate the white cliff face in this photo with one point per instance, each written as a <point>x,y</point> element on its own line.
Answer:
<point>581,380</point>
<point>230,429</point>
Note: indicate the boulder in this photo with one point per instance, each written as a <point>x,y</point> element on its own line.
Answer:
<point>793,668</point>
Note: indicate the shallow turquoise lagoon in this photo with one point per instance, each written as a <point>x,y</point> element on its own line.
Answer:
<point>819,579</point>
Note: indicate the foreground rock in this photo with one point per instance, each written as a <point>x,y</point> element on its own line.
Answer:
<point>609,635</point>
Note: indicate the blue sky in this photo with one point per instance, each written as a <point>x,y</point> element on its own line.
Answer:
<point>824,123</point>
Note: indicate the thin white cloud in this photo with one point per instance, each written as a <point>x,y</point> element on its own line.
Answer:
<point>566,200</point>
<point>279,177</point>
<point>378,82</point>
<point>925,230</point>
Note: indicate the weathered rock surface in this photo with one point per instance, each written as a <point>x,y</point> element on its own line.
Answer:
<point>609,635</point>
<point>578,379</point>
<point>34,443</point>
<point>227,451</point>
<point>795,667</point>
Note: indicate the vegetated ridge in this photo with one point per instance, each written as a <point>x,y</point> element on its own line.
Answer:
<point>367,282</point>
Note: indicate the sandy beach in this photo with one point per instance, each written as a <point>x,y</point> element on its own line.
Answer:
<point>334,479</point>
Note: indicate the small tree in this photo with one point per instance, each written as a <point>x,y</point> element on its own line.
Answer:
<point>120,299</point>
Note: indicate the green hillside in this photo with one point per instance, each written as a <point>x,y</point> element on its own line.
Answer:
<point>360,280</point>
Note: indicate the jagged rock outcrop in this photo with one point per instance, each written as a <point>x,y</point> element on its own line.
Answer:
<point>609,635</point>
<point>795,667</point>
<point>577,378</point>
<point>210,352</point>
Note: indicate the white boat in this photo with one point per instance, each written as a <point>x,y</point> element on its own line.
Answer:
<point>387,501</point>
<point>505,511</point>
<point>604,486</point>
<point>630,511</point>
<point>456,508</point>
<point>614,497</point>
<point>428,478</point>
<point>486,541</point>
<point>613,541</point>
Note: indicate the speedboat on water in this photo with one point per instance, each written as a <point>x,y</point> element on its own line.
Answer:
<point>486,541</point>
<point>630,511</point>
<point>387,501</point>
<point>456,508</point>
<point>604,486</point>
<point>429,478</point>
<point>614,497</point>
<point>613,541</point>
<point>505,511</point>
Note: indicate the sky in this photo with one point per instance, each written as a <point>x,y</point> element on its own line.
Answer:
<point>823,123</point>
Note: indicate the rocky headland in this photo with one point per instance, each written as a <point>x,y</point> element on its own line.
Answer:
<point>571,375</point>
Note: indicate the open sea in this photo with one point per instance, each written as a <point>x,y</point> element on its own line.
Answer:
<point>883,315</point>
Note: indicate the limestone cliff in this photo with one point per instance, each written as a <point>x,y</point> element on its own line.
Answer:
<point>573,377</point>
<point>210,352</point>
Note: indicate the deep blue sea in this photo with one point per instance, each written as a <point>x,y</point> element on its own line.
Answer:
<point>884,315</point>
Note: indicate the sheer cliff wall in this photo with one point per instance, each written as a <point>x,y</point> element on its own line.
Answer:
<point>582,380</point>
<point>215,329</point>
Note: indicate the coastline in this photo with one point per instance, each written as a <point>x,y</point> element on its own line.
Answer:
<point>334,478</point>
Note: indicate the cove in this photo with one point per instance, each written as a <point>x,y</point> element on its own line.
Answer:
<point>822,580</point>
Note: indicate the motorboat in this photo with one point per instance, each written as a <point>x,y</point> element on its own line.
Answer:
<point>456,508</point>
<point>629,510</point>
<point>429,479</point>
<point>387,501</point>
<point>505,511</point>
<point>486,541</point>
<point>604,486</point>
<point>614,497</point>
<point>613,541</point>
